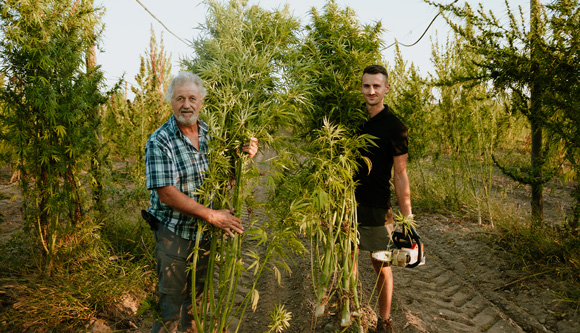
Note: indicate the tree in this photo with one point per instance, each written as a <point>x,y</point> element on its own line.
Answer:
<point>48,102</point>
<point>560,51</point>
<point>511,58</point>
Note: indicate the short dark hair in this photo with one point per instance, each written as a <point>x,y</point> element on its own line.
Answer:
<point>376,69</point>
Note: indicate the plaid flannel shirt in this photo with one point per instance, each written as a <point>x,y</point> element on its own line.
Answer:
<point>171,160</point>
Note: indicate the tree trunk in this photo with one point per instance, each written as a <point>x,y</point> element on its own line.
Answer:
<point>96,160</point>
<point>537,175</point>
<point>537,161</point>
<point>573,223</point>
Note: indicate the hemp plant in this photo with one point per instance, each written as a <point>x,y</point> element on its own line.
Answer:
<point>50,103</point>
<point>129,124</point>
<point>316,189</point>
<point>332,56</point>
<point>332,226</point>
<point>238,56</point>
<point>335,50</point>
<point>472,121</point>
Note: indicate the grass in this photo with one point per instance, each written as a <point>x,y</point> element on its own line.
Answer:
<point>555,251</point>
<point>105,271</point>
<point>70,298</point>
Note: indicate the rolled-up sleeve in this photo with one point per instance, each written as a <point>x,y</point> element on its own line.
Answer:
<point>160,166</point>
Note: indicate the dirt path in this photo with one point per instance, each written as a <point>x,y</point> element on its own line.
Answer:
<point>465,286</point>
<point>454,292</point>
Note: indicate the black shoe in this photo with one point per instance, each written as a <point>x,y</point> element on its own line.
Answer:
<point>384,326</point>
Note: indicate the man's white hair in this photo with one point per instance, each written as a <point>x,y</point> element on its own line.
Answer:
<point>182,78</point>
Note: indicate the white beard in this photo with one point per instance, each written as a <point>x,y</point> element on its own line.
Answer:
<point>186,121</point>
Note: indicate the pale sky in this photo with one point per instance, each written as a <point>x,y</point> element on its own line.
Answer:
<point>128,26</point>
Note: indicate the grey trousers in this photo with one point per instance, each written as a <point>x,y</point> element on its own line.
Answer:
<point>174,255</point>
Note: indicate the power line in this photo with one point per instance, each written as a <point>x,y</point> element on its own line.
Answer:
<point>158,20</point>
<point>424,32</point>
<point>184,42</point>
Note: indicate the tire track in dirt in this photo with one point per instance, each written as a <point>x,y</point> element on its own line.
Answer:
<point>445,302</point>
<point>448,295</point>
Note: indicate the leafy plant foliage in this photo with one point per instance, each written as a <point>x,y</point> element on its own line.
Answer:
<point>50,100</point>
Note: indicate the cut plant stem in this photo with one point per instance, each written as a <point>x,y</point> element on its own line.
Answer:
<point>345,318</point>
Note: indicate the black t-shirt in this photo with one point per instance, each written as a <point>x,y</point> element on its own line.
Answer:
<point>374,189</point>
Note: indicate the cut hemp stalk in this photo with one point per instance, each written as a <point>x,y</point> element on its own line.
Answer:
<point>332,224</point>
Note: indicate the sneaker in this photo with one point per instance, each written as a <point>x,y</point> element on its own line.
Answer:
<point>384,326</point>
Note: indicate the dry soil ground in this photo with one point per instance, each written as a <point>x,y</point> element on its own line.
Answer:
<point>466,285</point>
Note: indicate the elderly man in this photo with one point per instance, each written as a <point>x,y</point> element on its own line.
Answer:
<point>176,159</point>
<point>373,194</point>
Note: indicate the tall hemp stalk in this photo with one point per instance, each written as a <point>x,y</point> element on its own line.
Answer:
<point>7,150</point>
<point>335,50</point>
<point>410,95</point>
<point>148,109</point>
<point>239,58</point>
<point>50,100</point>
<point>469,126</point>
<point>129,124</point>
<point>316,193</point>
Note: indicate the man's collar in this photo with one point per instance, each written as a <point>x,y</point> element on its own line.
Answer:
<point>381,113</point>
<point>173,124</point>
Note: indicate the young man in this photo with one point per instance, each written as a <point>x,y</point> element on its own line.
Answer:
<point>375,215</point>
<point>176,159</point>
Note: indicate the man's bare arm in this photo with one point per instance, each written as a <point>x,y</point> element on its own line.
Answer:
<point>402,187</point>
<point>182,203</point>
